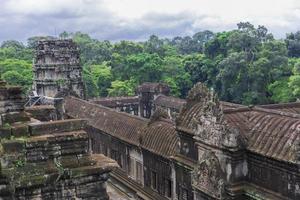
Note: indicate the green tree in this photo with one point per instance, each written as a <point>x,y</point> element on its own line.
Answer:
<point>91,88</point>
<point>155,46</point>
<point>17,72</point>
<point>294,80</point>
<point>293,44</point>
<point>92,51</point>
<point>32,41</point>
<point>281,91</point>
<point>102,76</point>
<point>125,48</point>
<point>122,88</point>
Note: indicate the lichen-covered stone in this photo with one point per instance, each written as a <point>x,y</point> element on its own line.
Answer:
<point>40,128</point>
<point>42,112</point>
<point>13,117</point>
<point>19,130</point>
<point>5,132</point>
<point>47,160</point>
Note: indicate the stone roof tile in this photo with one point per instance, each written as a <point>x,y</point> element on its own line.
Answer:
<point>120,125</point>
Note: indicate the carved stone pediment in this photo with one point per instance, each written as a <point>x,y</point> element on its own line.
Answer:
<point>208,177</point>
<point>207,121</point>
<point>211,131</point>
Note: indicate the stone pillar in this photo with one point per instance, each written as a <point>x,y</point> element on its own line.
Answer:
<point>174,193</point>
<point>59,106</point>
<point>147,93</point>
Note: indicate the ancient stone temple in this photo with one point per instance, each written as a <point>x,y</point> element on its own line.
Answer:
<point>213,150</point>
<point>46,160</point>
<point>143,104</point>
<point>57,68</point>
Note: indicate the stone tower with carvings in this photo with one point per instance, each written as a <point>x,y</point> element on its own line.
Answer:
<point>57,68</point>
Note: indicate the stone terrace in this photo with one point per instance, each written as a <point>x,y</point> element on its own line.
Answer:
<point>49,160</point>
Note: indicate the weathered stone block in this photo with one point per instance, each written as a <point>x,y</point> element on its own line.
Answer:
<point>42,113</point>
<point>42,128</point>
<point>92,190</point>
<point>5,132</point>
<point>20,130</point>
<point>13,146</point>
<point>13,117</point>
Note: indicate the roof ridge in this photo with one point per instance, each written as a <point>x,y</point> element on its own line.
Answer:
<point>232,104</point>
<point>260,109</point>
<point>113,98</point>
<point>276,112</point>
<point>112,110</point>
<point>234,110</point>
<point>279,105</point>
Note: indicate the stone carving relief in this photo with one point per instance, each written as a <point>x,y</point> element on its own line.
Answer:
<point>208,123</point>
<point>209,177</point>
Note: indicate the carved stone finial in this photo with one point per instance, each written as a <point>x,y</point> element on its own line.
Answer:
<point>199,92</point>
<point>207,101</point>
<point>159,114</point>
<point>204,116</point>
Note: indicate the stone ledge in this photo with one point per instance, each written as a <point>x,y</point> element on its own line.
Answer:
<point>13,117</point>
<point>43,128</point>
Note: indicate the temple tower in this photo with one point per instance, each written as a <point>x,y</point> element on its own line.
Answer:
<point>57,68</point>
<point>147,93</point>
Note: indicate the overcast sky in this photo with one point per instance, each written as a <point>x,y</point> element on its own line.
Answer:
<point>137,19</point>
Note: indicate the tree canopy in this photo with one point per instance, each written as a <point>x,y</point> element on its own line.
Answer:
<point>245,65</point>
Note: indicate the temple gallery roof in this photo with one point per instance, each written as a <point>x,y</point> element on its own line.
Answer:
<point>269,133</point>
<point>157,136</point>
<point>177,103</point>
<point>268,130</point>
<point>121,125</point>
<point>113,102</point>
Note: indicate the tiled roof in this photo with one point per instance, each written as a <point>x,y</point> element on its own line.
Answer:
<point>169,102</point>
<point>121,125</point>
<point>269,132</point>
<point>113,102</point>
<point>160,137</point>
<point>285,107</point>
<point>177,103</point>
<point>274,135</point>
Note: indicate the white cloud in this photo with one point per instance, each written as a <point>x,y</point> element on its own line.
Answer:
<point>137,19</point>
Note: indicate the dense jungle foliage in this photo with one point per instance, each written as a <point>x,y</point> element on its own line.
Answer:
<point>246,65</point>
